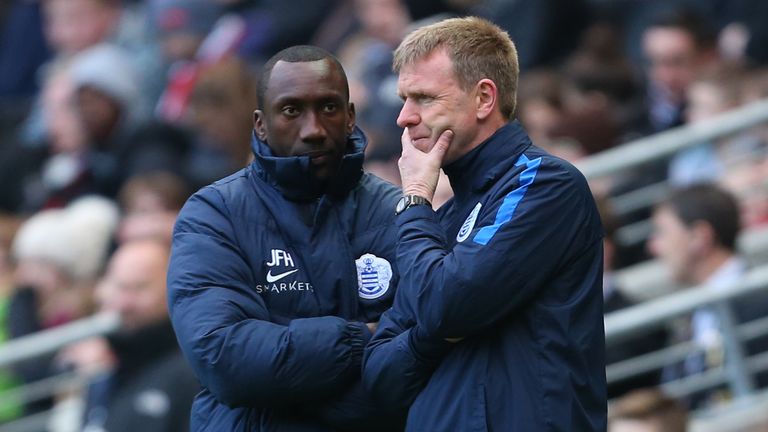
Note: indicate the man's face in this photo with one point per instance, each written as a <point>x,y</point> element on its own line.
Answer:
<point>100,113</point>
<point>673,60</point>
<point>134,285</point>
<point>307,113</point>
<point>73,25</point>
<point>435,102</point>
<point>386,20</point>
<point>671,242</point>
<point>66,131</point>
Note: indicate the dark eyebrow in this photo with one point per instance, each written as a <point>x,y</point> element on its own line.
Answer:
<point>323,98</point>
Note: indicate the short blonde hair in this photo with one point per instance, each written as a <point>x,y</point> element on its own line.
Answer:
<point>477,48</point>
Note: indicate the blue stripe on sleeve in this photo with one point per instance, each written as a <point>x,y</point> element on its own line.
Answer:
<point>507,209</point>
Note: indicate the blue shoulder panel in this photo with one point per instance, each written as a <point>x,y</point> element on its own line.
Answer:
<point>507,209</point>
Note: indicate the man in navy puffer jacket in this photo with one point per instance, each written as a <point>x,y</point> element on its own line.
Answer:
<point>280,272</point>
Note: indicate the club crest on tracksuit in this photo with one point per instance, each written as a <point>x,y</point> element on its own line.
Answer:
<point>469,223</point>
<point>373,275</point>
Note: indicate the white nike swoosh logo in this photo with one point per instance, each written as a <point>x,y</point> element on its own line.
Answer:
<point>277,277</point>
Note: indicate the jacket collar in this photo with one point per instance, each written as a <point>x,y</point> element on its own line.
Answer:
<point>137,348</point>
<point>477,170</point>
<point>292,175</point>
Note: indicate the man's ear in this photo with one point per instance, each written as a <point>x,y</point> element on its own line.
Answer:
<point>487,98</point>
<point>351,118</point>
<point>259,126</point>
<point>702,237</point>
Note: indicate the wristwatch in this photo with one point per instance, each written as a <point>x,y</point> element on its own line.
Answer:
<point>408,201</point>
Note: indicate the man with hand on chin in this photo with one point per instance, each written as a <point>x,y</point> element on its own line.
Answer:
<point>498,320</point>
<point>280,271</point>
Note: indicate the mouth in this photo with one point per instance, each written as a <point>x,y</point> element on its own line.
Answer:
<point>421,142</point>
<point>319,157</point>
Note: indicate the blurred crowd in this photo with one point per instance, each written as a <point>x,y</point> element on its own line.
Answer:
<point>112,112</point>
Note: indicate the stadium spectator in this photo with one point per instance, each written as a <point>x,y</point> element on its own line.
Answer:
<point>540,105</point>
<point>384,23</point>
<point>149,386</point>
<point>121,141</point>
<point>182,25</point>
<point>559,24</point>
<point>678,45</point>
<point>748,170</point>
<point>710,94</point>
<point>10,409</point>
<point>695,232</point>
<point>54,174</point>
<point>71,27</point>
<point>58,256</point>
<point>150,203</point>
<point>601,94</point>
<point>647,410</point>
<point>220,112</point>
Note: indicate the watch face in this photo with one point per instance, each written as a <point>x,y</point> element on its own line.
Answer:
<point>401,205</point>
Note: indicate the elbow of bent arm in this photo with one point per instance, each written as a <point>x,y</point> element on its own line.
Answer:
<point>239,384</point>
<point>439,306</point>
<point>387,377</point>
<point>386,390</point>
<point>233,380</point>
<point>233,383</point>
<point>228,392</point>
<point>438,323</point>
<point>446,312</point>
<point>372,376</point>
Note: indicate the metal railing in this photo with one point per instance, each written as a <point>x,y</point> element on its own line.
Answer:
<point>738,370</point>
<point>45,342</point>
<point>660,146</point>
<point>667,143</point>
<point>50,340</point>
<point>649,279</point>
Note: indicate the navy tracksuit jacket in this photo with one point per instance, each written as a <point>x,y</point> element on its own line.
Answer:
<point>513,265</point>
<point>269,291</point>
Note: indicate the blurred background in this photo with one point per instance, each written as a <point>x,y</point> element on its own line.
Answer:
<point>112,112</point>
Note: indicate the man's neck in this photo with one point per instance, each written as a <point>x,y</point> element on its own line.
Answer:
<point>709,265</point>
<point>486,129</point>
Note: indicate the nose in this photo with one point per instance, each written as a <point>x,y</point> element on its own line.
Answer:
<point>409,116</point>
<point>312,128</point>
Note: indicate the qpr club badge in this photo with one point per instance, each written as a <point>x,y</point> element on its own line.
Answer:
<point>469,224</point>
<point>373,275</point>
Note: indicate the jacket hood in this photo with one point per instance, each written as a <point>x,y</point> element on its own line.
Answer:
<point>293,176</point>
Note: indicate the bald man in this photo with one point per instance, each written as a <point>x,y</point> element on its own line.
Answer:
<point>151,387</point>
<point>134,285</point>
